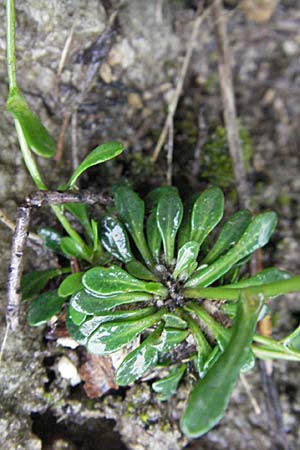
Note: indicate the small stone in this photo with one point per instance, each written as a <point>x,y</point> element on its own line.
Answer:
<point>121,54</point>
<point>290,48</point>
<point>68,371</point>
<point>135,100</point>
<point>106,73</point>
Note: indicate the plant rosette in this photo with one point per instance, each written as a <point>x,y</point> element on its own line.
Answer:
<point>159,264</point>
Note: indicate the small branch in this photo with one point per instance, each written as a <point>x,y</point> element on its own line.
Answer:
<point>173,105</point>
<point>61,138</point>
<point>75,158</point>
<point>251,397</point>
<point>201,138</point>
<point>170,154</point>
<point>227,92</point>
<point>12,226</point>
<point>45,198</point>
<point>15,268</point>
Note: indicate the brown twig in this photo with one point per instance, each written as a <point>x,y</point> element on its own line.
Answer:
<point>170,151</point>
<point>45,198</point>
<point>227,92</point>
<point>201,138</point>
<point>178,90</point>
<point>12,226</point>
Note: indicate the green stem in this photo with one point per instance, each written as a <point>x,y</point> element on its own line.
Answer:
<point>222,293</point>
<point>265,353</point>
<point>273,345</point>
<point>10,44</point>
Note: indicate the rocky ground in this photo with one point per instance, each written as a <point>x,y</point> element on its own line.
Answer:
<point>138,65</point>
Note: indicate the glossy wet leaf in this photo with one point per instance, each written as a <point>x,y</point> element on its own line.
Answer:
<point>32,283</point>
<point>266,276</point>
<point>292,341</point>
<point>70,285</point>
<point>51,238</point>
<point>80,211</point>
<point>229,235</point>
<point>114,280</point>
<point>73,329</point>
<point>99,155</point>
<point>186,260</point>
<point>168,216</point>
<point>170,338</point>
<point>153,236</point>
<point>89,304</point>
<point>42,308</point>
<point>167,386</point>
<point>139,361</point>
<point>174,321</point>
<point>74,250</point>
<point>209,398</point>
<point>77,317</point>
<point>131,211</point>
<point>184,233</point>
<point>256,236</point>
<point>112,336</point>
<point>36,135</point>
<point>138,270</point>
<point>207,212</point>
<point>115,240</point>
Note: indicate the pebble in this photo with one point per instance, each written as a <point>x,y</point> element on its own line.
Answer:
<point>135,100</point>
<point>68,371</point>
<point>106,73</point>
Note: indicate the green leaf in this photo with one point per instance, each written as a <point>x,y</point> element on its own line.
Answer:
<point>167,386</point>
<point>139,360</point>
<point>207,212</point>
<point>168,216</point>
<point>209,398</point>
<point>153,236</point>
<point>73,329</point>
<point>77,317</point>
<point>153,197</point>
<point>186,260</point>
<point>131,211</point>
<point>184,233</point>
<point>99,155</point>
<point>32,283</point>
<point>170,338</point>
<point>292,341</point>
<point>174,321</point>
<point>73,249</point>
<point>89,304</point>
<point>229,235</point>
<point>51,238</point>
<point>115,240</point>
<point>113,280</point>
<point>138,270</point>
<point>70,285</point>
<point>42,308</point>
<point>203,347</point>
<point>80,211</point>
<point>37,137</point>
<point>266,276</point>
<point>256,236</point>
<point>112,336</point>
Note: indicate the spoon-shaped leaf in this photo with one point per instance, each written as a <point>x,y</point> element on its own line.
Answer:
<point>186,260</point>
<point>36,135</point>
<point>174,321</point>
<point>112,336</point>
<point>266,276</point>
<point>33,283</point>
<point>92,323</point>
<point>184,233</point>
<point>77,317</point>
<point>207,212</point>
<point>168,216</point>
<point>203,347</point>
<point>51,237</point>
<point>115,240</point>
<point>73,328</point>
<point>70,285</point>
<point>99,155</point>
<point>292,341</point>
<point>153,197</point>
<point>229,235</point>
<point>131,210</point>
<point>170,338</point>
<point>256,236</point>
<point>167,386</point>
<point>139,360</point>
<point>209,398</point>
<point>89,304</point>
<point>113,280</point>
<point>153,236</point>
<point>138,270</point>
<point>73,249</point>
<point>42,308</point>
